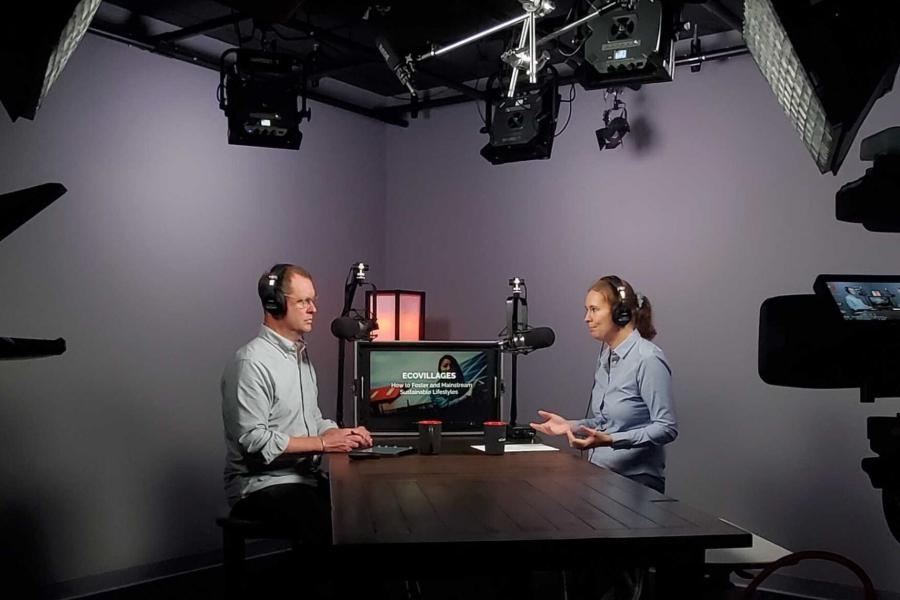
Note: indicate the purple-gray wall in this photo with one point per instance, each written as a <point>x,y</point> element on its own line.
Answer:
<point>113,452</point>
<point>712,206</point>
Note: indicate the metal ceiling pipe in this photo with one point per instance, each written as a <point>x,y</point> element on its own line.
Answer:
<point>198,29</point>
<point>451,100</point>
<point>213,64</point>
<point>454,85</point>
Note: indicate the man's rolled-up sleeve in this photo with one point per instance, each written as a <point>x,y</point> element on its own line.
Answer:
<point>323,424</point>
<point>248,398</point>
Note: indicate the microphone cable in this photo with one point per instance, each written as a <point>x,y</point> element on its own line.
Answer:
<point>587,409</point>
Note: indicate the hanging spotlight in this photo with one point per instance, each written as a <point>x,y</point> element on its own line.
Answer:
<point>522,126</point>
<point>616,127</point>
<point>259,92</point>
<point>632,44</point>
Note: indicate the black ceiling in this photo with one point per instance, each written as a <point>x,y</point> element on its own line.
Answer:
<point>342,34</point>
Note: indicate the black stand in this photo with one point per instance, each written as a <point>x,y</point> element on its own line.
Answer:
<point>356,275</point>
<point>516,323</point>
<point>513,430</point>
<point>513,400</point>
<point>339,411</point>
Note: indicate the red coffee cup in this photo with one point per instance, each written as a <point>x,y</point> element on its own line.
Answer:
<point>430,437</point>
<point>494,437</point>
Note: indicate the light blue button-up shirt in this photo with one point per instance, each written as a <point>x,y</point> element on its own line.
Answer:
<point>269,394</point>
<point>632,401</point>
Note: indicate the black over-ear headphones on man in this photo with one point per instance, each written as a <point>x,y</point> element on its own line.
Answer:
<point>270,291</point>
<point>621,312</point>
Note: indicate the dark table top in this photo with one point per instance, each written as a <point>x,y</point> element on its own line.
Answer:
<point>536,501</point>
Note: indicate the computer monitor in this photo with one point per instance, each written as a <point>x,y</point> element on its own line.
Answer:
<point>862,297</point>
<point>399,384</point>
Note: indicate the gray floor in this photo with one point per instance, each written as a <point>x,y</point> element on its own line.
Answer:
<point>276,574</point>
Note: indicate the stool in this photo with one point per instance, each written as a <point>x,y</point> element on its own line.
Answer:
<point>235,533</point>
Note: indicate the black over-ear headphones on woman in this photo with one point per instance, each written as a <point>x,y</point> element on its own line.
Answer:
<point>270,291</point>
<point>621,312</point>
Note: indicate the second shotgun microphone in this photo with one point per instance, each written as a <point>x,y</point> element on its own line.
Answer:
<point>401,67</point>
<point>351,328</point>
<point>533,339</point>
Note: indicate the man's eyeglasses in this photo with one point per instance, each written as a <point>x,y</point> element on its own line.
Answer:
<point>304,303</point>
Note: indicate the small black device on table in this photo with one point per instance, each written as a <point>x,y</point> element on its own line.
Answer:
<point>379,451</point>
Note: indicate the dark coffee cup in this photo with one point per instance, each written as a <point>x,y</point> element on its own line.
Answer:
<point>494,437</point>
<point>429,437</point>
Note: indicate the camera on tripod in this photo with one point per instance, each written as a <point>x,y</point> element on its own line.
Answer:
<point>803,342</point>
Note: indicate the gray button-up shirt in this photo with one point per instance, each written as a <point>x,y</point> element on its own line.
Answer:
<point>269,394</point>
<point>632,401</point>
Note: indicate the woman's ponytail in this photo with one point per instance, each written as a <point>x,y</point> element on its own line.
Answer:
<point>643,318</point>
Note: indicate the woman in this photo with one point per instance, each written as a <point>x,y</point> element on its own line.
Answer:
<point>452,395</point>
<point>631,408</point>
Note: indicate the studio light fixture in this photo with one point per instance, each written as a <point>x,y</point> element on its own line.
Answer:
<point>263,94</point>
<point>615,121</point>
<point>36,41</point>
<point>827,61</point>
<point>631,44</point>
<point>522,126</point>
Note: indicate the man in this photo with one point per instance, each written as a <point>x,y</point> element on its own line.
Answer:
<point>854,302</point>
<point>274,430</point>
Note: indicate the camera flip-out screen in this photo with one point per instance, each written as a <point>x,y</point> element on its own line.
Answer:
<point>862,297</point>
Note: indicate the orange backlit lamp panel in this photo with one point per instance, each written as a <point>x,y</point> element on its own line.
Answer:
<point>400,314</point>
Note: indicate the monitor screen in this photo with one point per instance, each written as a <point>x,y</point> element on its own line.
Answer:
<point>863,297</point>
<point>401,383</point>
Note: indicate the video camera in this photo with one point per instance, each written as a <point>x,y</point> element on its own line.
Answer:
<point>846,335</point>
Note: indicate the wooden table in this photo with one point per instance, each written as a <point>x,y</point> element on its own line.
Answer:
<point>541,510</point>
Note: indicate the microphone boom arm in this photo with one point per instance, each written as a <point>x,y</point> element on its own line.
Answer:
<point>525,55</point>
<point>356,275</point>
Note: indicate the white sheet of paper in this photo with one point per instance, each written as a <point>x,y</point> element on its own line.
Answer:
<point>524,448</point>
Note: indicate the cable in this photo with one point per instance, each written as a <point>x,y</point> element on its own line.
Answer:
<point>577,30</point>
<point>301,360</point>
<point>794,558</point>
<point>574,52</point>
<point>569,117</point>
<point>587,409</point>
<point>488,86</point>
<point>477,105</point>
